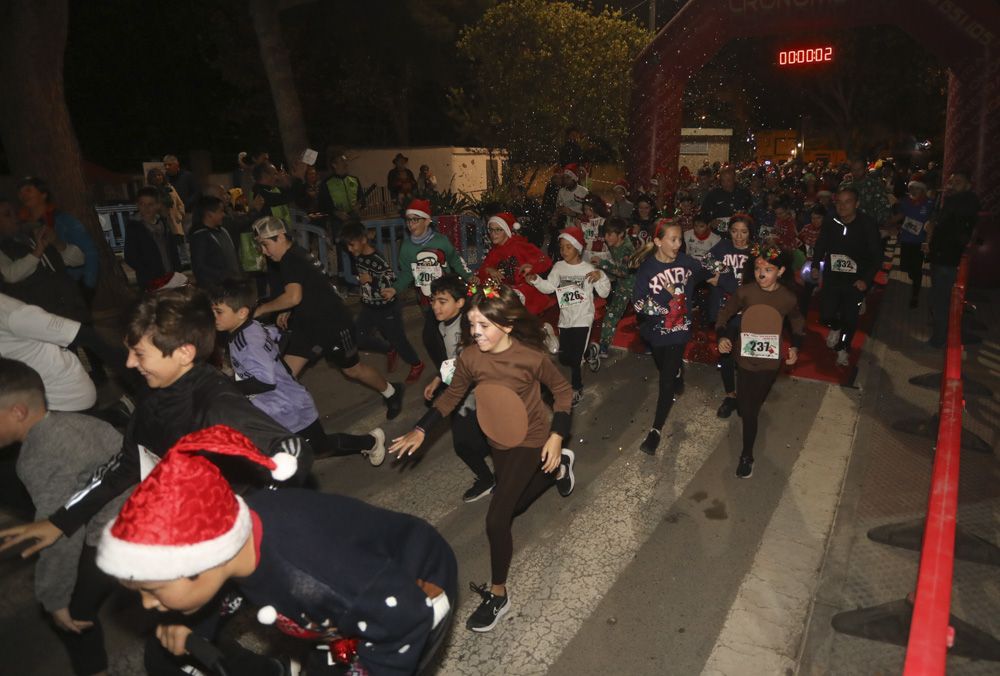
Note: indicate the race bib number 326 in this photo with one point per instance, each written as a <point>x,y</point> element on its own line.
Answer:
<point>759,345</point>
<point>569,295</point>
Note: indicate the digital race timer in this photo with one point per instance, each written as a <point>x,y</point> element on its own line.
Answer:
<point>791,57</point>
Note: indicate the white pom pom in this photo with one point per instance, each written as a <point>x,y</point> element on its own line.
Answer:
<point>267,615</point>
<point>285,466</point>
<point>517,226</point>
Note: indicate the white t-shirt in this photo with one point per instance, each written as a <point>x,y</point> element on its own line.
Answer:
<point>38,338</point>
<point>699,248</point>
<point>572,200</point>
<point>574,293</point>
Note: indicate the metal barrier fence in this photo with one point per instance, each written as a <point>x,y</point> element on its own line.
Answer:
<point>113,218</point>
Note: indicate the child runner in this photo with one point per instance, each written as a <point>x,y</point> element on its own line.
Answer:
<point>265,380</point>
<point>423,257</point>
<point>808,236</point>
<point>378,315</point>
<point>574,284</point>
<point>618,268</point>
<point>508,369</point>
<point>850,249</point>
<point>316,318</point>
<point>915,210</point>
<point>511,258</point>
<point>730,256</point>
<point>58,452</point>
<point>700,239</point>
<point>370,588</point>
<point>590,221</point>
<point>664,286</point>
<point>448,305</point>
<point>765,304</point>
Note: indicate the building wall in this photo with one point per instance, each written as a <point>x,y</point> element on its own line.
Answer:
<point>457,169</point>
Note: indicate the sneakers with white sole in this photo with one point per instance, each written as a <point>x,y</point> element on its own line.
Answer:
<point>843,358</point>
<point>376,454</point>
<point>832,338</point>
<point>567,482</point>
<point>490,611</point>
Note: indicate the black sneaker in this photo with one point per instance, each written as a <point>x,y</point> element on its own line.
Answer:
<point>489,611</point>
<point>745,469</point>
<point>649,444</point>
<point>568,481</point>
<point>480,489</point>
<point>394,404</point>
<point>727,407</point>
<point>592,356</point>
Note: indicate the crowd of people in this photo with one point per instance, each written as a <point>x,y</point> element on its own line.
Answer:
<point>195,489</point>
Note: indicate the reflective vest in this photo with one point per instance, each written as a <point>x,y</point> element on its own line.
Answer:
<point>343,192</point>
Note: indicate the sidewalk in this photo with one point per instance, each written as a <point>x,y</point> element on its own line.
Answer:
<point>888,483</point>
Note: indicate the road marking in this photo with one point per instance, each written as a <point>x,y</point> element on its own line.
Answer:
<point>764,625</point>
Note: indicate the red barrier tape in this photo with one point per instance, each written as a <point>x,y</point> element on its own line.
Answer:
<point>930,636</point>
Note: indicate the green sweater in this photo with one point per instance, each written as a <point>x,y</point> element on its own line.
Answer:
<point>421,264</point>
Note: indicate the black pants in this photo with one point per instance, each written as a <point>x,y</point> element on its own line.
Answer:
<point>380,329</point>
<point>669,361</point>
<point>520,481</point>
<point>337,444</point>
<point>754,387</point>
<point>727,365</point>
<point>430,335</point>
<point>572,343</point>
<point>840,305</point>
<point>86,649</point>
<point>911,260</point>
<point>470,444</point>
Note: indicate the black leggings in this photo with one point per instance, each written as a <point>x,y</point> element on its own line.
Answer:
<point>727,366</point>
<point>337,444</point>
<point>911,260</point>
<point>572,343</point>
<point>520,480</point>
<point>470,443</point>
<point>86,649</point>
<point>670,362</point>
<point>840,305</point>
<point>754,387</point>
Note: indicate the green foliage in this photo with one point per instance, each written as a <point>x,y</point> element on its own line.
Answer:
<point>448,203</point>
<point>540,67</point>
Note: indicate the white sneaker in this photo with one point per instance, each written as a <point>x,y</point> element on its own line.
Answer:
<point>863,307</point>
<point>551,342</point>
<point>843,358</point>
<point>832,338</point>
<point>376,456</point>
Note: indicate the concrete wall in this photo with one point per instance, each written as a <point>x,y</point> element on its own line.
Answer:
<point>457,169</point>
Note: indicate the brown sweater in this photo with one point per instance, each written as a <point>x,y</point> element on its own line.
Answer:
<point>781,299</point>
<point>521,369</point>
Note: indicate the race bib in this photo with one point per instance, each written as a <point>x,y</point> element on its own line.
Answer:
<point>913,227</point>
<point>423,275</point>
<point>842,263</point>
<point>759,345</point>
<point>569,295</point>
<point>589,232</point>
<point>447,371</point>
<point>147,461</point>
<point>722,225</point>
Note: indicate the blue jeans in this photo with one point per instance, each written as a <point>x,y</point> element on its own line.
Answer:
<point>942,282</point>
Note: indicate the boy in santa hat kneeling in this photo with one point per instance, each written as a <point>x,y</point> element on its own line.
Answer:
<point>372,589</point>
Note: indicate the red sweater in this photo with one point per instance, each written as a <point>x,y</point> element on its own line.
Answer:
<point>508,259</point>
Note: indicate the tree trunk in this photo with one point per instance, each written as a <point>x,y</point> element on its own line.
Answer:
<point>35,125</point>
<point>277,65</point>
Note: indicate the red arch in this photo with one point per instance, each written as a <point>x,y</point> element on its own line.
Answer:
<point>963,34</point>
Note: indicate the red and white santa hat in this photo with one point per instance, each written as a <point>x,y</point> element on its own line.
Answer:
<point>419,208</point>
<point>621,184</point>
<point>574,236</point>
<point>573,171</point>
<point>506,221</point>
<point>184,517</point>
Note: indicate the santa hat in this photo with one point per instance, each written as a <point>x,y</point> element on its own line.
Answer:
<point>918,185</point>
<point>573,171</point>
<point>419,208</point>
<point>574,236</point>
<point>184,517</point>
<point>506,221</point>
<point>621,184</point>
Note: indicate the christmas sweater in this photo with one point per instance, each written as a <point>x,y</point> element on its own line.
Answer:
<point>421,264</point>
<point>617,265</point>
<point>662,297</point>
<point>574,292</point>
<point>382,277</point>
<point>730,262</point>
<point>264,378</point>
<point>508,258</point>
<point>698,248</point>
<point>331,568</point>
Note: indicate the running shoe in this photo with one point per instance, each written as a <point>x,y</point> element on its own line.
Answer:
<point>651,442</point>
<point>843,358</point>
<point>489,611</point>
<point>415,371</point>
<point>390,361</point>
<point>592,355</point>
<point>376,454</point>
<point>480,489</point>
<point>832,338</point>
<point>567,483</point>
<point>577,397</point>
<point>603,352</point>
<point>745,469</point>
<point>727,407</point>
<point>551,342</point>
<point>394,404</point>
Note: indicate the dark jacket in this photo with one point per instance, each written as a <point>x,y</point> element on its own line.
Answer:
<point>858,241</point>
<point>953,226</point>
<point>48,287</point>
<point>213,255</point>
<point>143,255</point>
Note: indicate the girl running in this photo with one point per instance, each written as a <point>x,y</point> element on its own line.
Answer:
<point>764,304</point>
<point>730,257</point>
<point>507,371</point>
<point>664,288</point>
